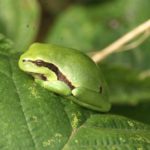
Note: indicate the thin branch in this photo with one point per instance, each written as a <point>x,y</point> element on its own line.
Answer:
<point>120,43</point>
<point>136,43</point>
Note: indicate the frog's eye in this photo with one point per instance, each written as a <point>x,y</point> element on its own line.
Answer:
<point>39,63</point>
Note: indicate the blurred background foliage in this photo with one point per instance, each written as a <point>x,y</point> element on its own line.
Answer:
<point>89,25</point>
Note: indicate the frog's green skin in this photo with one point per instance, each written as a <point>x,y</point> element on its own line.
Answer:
<point>81,80</point>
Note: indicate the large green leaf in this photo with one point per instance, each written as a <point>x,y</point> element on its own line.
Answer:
<point>108,132</point>
<point>19,20</point>
<point>31,118</point>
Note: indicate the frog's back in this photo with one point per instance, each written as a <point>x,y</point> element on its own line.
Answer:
<point>78,68</point>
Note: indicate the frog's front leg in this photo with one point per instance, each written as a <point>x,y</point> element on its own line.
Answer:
<point>91,99</point>
<point>55,86</point>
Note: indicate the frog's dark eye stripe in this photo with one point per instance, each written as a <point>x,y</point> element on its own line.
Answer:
<point>54,68</point>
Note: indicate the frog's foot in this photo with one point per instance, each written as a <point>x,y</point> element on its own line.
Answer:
<point>91,99</point>
<point>55,86</point>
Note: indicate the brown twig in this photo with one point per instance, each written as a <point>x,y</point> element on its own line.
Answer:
<point>121,43</point>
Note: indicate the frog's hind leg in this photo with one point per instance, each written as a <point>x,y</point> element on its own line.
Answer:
<point>91,99</point>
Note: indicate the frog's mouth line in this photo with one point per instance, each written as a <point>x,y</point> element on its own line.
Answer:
<point>54,68</point>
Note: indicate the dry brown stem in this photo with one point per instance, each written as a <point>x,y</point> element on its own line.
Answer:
<point>122,43</point>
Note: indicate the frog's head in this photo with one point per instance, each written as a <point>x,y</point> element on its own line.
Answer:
<point>33,63</point>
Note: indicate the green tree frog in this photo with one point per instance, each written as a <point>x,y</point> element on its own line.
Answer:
<point>67,72</point>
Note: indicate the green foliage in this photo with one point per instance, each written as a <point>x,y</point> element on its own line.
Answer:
<point>126,85</point>
<point>19,21</point>
<point>97,25</point>
<point>105,132</point>
<point>35,119</point>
